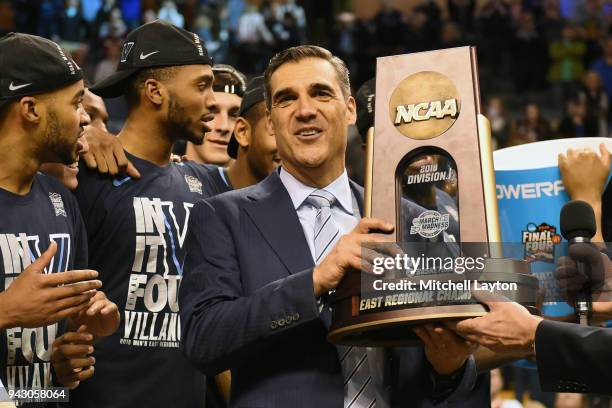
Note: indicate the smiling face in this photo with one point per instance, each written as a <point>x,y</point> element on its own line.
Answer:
<point>62,119</point>
<point>309,116</point>
<point>65,173</point>
<point>64,122</point>
<point>214,149</point>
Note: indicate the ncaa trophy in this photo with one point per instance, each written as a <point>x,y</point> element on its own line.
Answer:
<point>430,145</point>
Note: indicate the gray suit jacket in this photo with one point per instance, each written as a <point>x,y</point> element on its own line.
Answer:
<point>247,304</point>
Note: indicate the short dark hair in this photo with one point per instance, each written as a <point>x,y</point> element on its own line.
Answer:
<point>134,87</point>
<point>296,54</point>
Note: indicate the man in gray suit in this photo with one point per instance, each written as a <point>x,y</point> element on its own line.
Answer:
<point>259,260</point>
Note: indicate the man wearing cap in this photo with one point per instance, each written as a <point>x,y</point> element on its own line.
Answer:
<point>229,86</point>
<point>136,227</point>
<point>250,144</point>
<point>67,173</point>
<point>255,156</point>
<point>41,231</point>
<point>260,259</point>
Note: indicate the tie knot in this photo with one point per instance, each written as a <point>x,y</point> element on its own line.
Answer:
<point>321,198</point>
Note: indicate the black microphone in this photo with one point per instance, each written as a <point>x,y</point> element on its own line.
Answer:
<point>577,226</point>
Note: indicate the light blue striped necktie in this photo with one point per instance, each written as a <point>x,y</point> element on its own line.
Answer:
<point>358,387</point>
<point>326,230</point>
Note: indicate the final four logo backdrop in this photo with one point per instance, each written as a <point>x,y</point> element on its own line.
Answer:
<point>530,194</point>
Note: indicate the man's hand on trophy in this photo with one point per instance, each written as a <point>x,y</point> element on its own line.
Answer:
<point>507,328</point>
<point>348,254</point>
<point>446,351</point>
<point>578,165</point>
<point>586,269</point>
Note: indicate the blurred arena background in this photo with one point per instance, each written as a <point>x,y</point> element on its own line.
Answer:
<point>545,65</point>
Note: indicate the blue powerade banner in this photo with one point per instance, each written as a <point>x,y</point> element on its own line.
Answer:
<point>529,205</point>
<point>530,196</point>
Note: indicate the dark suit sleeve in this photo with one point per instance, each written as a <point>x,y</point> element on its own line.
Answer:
<point>573,358</point>
<point>220,325</point>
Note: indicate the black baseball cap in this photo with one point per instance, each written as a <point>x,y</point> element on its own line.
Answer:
<point>153,45</point>
<point>365,100</point>
<point>31,65</point>
<point>252,96</point>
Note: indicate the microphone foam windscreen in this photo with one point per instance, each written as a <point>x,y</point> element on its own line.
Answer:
<point>577,220</point>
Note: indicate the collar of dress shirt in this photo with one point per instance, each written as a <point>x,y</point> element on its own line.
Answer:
<point>299,191</point>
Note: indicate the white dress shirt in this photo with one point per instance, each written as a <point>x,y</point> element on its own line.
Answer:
<point>345,213</point>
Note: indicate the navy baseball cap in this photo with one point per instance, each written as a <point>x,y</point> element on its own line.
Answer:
<point>252,96</point>
<point>31,65</point>
<point>153,45</point>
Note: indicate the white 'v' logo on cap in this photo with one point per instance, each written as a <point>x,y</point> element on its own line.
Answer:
<point>125,51</point>
<point>13,87</point>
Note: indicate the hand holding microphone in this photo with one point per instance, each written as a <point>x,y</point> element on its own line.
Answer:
<point>586,275</point>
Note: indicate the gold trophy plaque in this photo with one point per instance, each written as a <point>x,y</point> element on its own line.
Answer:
<point>431,147</point>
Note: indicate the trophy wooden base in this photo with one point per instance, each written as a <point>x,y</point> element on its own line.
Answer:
<point>357,320</point>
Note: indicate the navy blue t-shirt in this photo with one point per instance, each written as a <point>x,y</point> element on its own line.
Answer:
<point>136,231</point>
<point>49,212</point>
<point>218,179</point>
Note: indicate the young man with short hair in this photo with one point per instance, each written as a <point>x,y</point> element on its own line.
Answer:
<point>251,147</point>
<point>41,231</point>
<point>136,227</point>
<point>94,107</point>
<point>229,86</point>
